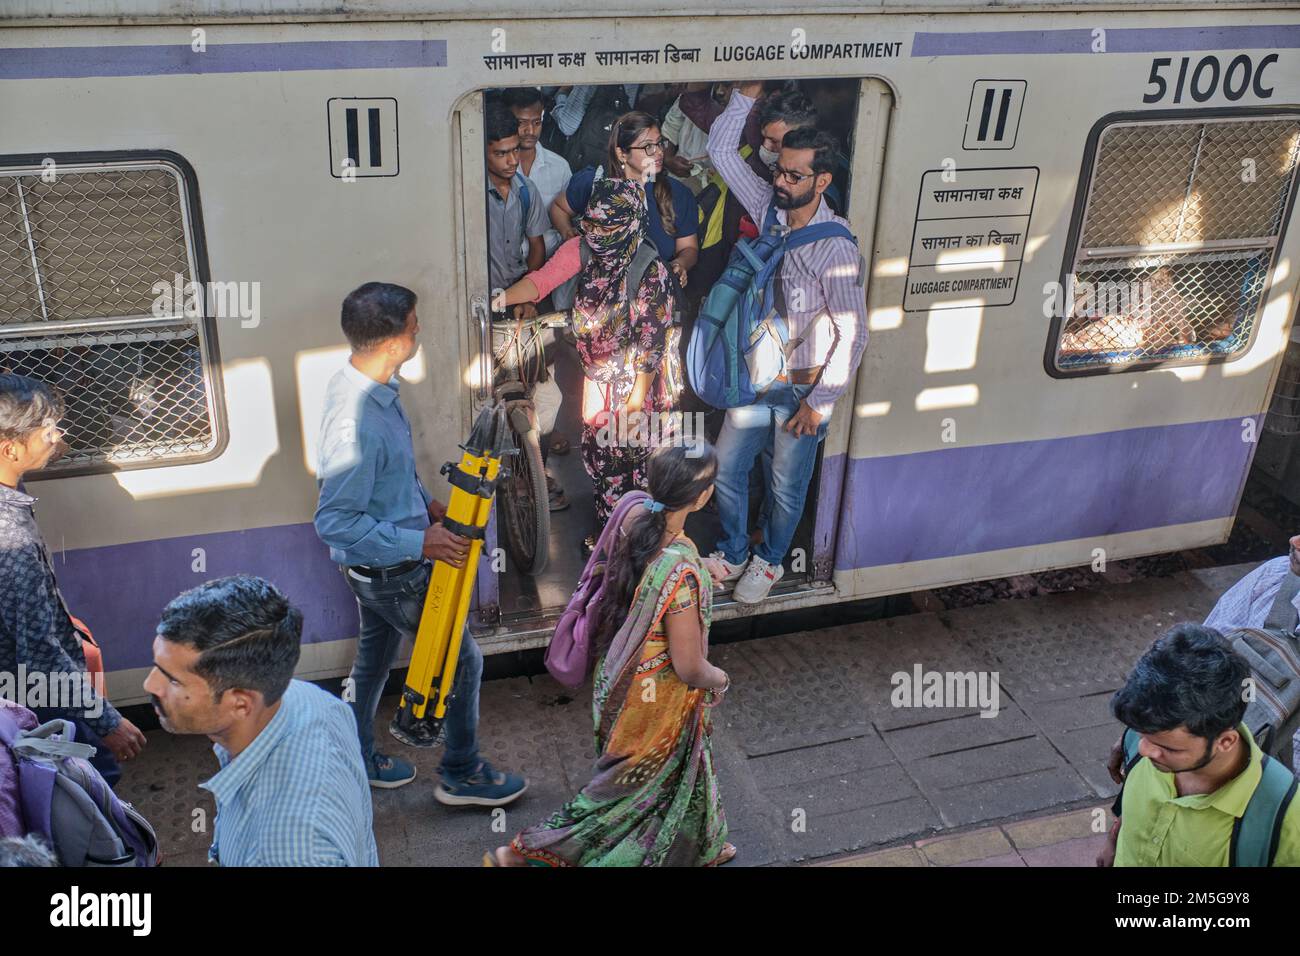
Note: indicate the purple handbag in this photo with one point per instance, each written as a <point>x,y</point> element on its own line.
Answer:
<point>569,656</point>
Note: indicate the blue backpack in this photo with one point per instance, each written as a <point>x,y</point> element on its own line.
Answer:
<point>739,344</point>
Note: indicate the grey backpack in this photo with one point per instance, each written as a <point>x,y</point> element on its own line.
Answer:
<point>64,799</point>
<point>1273,653</point>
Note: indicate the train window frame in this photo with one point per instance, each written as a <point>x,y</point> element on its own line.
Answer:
<point>203,326</point>
<point>1078,219</point>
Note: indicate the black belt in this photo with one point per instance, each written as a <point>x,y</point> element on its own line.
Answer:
<point>384,574</point>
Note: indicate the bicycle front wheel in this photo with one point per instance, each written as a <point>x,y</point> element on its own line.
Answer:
<point>526,510</point>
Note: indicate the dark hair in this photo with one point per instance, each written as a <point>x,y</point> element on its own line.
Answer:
<point>677,475</point>
<point>247,634</point>
<point>376,312</point>
<point>626,129</point>
<point>792,106</point>
<point>1190,677</point>
<point>521,97</point>
<point>26,405</point>
<point>825,148</point>
<point>498,122</point>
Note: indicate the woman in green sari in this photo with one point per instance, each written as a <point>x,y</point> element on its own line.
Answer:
<point>653,800</point>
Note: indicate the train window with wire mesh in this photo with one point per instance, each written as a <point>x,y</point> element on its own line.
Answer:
<point>1180,226</point>
<point>83,249</point>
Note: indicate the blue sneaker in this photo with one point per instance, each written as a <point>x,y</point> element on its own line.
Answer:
<point>484,787</point>
<point>389,773</point>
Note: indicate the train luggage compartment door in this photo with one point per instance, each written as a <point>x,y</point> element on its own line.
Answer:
<point>866,141</point>
<point>471,246</point>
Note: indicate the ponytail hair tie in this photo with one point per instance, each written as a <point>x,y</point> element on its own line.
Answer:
<point>654,506</point>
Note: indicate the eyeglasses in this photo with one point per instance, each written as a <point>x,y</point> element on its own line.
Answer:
<point>651,149</point>
<point>790,176</point>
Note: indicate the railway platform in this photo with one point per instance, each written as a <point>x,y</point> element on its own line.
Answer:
<point>816,763</point>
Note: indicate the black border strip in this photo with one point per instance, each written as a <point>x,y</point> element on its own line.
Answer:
<point>199,238</point>
<point>1076,225</point>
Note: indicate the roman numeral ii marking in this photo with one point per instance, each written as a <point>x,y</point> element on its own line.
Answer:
<point>1003,110</point>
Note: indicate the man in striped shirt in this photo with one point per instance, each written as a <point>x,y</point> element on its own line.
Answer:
<point>819,293</point>
<point>292,789</point>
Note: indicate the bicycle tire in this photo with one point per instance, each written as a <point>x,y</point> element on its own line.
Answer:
<point>523,523</point>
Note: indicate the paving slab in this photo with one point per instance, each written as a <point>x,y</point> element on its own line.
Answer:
<point>965,847</point>
<point>1057,828</point>
<point>897,856</point>
<point>1079,852</point>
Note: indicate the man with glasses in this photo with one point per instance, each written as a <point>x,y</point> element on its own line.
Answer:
<point>819,293</point>
<point>37,633</point>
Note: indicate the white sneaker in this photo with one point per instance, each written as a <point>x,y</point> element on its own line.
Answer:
<point>734,571</point>
<point>757,581</point>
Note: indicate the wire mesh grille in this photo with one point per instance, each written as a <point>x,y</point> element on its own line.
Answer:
<point>1177,240</point>
<point>87,248</point>
<point>1284,412</point>
<point>1168,307</point>
<point>134,395</point>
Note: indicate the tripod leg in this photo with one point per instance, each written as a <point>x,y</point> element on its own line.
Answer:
<point>429,657</point>
<point>483,511</point>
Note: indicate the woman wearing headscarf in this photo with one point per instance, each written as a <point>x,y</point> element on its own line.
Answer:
<point>625,337</point>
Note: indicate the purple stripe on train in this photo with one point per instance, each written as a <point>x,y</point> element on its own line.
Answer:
<point>1128,40</point>
<point>955,501</point>
<point>40,63</point>
<point>119,590</point>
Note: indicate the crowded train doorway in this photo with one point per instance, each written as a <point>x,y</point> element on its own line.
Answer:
<point>546,518</point>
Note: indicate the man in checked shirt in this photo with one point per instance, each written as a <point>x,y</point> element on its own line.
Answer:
<point>819,293</point>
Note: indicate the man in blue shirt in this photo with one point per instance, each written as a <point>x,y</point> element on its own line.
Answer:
<point>384,530</point>
<point>291,790</point>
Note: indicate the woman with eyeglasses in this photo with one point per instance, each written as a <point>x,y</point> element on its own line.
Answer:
<point>636,152</point>
<point>653,799</point>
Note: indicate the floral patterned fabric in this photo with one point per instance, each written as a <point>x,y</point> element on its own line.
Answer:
<point>653,800</point>
<point>618,336</point>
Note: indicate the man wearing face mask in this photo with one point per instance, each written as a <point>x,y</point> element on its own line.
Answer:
<point>818,293</point>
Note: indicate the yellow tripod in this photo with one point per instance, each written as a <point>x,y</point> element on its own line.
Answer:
<point>446,605</point>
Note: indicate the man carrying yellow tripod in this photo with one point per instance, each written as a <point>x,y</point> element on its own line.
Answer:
<point>384,530</point>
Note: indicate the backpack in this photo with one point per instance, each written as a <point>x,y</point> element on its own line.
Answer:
<point>64,799</point>
<point>740,343</point>
<point>1256,833</point>
<point>645,254</point>
<point>570,654</point>
<point>589,144</point>
<point>1273,653</point>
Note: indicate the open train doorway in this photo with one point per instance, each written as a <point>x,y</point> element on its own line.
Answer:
<point>546,517</point>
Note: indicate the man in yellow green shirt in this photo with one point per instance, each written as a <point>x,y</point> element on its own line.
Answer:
<point>1198,766</point>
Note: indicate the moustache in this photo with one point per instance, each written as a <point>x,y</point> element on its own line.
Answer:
<point>157,705</point>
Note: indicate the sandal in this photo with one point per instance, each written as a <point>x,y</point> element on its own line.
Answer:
<point>726,856</point>
<point>556,501</point>
<point>560,446</point>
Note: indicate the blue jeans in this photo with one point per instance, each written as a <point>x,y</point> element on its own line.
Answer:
<point>745,434</point>
<point>391,611</point>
